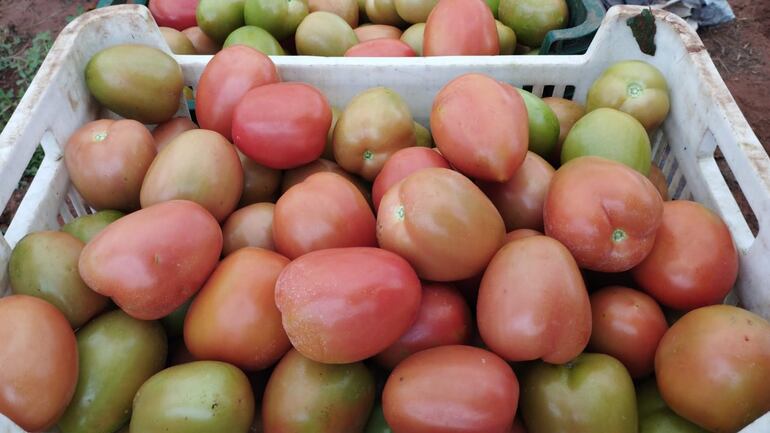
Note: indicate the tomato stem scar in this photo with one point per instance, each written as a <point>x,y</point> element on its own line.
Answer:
<point>368,154</point>
<point>100,136</point>
<point>618,235</point>
<point>400,213</point>
<point>635,90</point>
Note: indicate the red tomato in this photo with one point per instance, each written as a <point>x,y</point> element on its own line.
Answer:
<point>282,125</point>
<point>249,226</point>
<point>151,261</point>
<point>520,200</point>
<point>480,127</point>
<point>39,359</point>
<point>694,261</point>
<point>324,211</point>
<point>444,319</point>
<point>461,28</point>
<point>343,305</point>
<point>370,32</point>
<point>442,223</point>
<point>520,233</point>
<point>628,325</point>
<point>168,130</point>
<point>533,303</point>
<point>606,213</point>
<point>299,174</point>
<point>227,77</point>
<point>458,389</point>
<point>713,365</point>
<point>234,318</point>
<point>400,165</point>
<point>380,48</point>
<point>177,14</point>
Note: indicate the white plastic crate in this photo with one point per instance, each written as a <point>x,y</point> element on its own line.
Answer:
<point>703,117</point>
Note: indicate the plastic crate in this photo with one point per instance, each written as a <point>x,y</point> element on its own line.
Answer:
<point>704,118</point>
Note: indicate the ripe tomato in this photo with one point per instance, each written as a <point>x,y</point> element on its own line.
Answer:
<point>533,303</point>
<point>343,305</point>
<point>298,175</point>
<point>694,261</point>
<point>227,77</point>
<point>713,365</point>
<point>370,32</point>
<point>461,389</point>
<point>444,319</point>
<point>402,164</point>
<point>628,325</point>
<point>40,362</point>
<point>461,28</point>
<point>177,14</point>
<point>168,130</point>
<point>380,48</point>
<point>442,223</point>
<point>520,233</point>
<point>658,179</point>
<point>250,226</point>
<point>606,213</point>
<point>202,43</point>
<point>324,211</point>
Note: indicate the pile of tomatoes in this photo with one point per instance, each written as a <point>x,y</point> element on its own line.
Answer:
<point>293,267</point>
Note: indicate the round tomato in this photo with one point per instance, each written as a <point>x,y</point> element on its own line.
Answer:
<point>568,112</point>
<point>256,38</point>
<point>543,125</point>
<point>413,37</point>
<point>658,179</point>
<point>694,261</point>
<point>533,19</point>
<point>461,389</point>
<point>202,43</point>
<point>324,34</point>
<point>218,18</point>
<point>178,14</point>
<point>712,367</point>
<point>282,125</point>
<point>170,129</point>
<point>383,12</point>
<point>480,127</point>
<point>606,213</point>
<point>85,227</point>
<point>260,183</point>
<point>442,223</point>
<point>370,32</point>
<point>346,9</point>
<point>377,423</point>
<point>177,41</point>
<point>655,416</point>
<point>250,226</point>
<point>298,175</point>
<point>507,38</point>
<point>461,28</point>
<point>415,11</point>
<point>402,164</point>
<point>343,305</point>
<point>381,48</point>
<point>40,362</point>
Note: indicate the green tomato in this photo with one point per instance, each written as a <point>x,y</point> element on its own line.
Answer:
<point>197,397</point>
<point>377,423</point>
<point>117,354</point>
<point>533,19</point>
<point>494,5</point>
<point>423,136</point>
<point>655,416</point>
<point>297,11</point>
<point>257,38</point>
<point>269,15</point>
<point>611,134</point>
<point>87,226</point>
<point>324,34</point>
<point>543,125</point>
<point>413,37</point>
<point>174,322</point>
<point>591,394</point>
<point>507,38</point>
<point>218,18</point>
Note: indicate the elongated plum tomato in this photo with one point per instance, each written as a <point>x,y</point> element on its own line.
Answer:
<point>712,367</point>
<point>444,319</point>
<point>442,223</point>
<point>343,305</point>
<point>151,261</point>
<point>233,318</point>
<point>533,303</point>
<point>282,125</point>
<point>480,127</point>
<point>461,389</point>
<point>628,325</point>
<point>461,28</point>
<point>177,14</point>
<point>297,175</point>
<point>370,32</point>
<point>324,211</point>
<point>228,76</point>
<point>40,362</point>
<point>250,226</point>
<point>606,213</point>
<point>694,262</point>
<point>380,48</point>
<point>402,164</point>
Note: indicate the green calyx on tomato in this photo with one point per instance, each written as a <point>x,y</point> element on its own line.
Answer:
<point>618,236</point>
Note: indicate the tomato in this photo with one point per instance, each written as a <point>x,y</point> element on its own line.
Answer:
<point>605,213</point>
<point>444,319</point>
<point>227,77</point>
<point>40,362</point>
<point>107,160</point>
<point>260,183</point>
<point>383,12</point>
<point>151,261</point>
<point>520,234</point>
<point>451,388</point>
<point>250,226</point>
<point>415,11</point>
<point>376,124</point>
<point>591,394</point>
<point>297,11</point>
<point>168,130</point>
<point>45,265</point>
<point>568,112</point>
<point>218,18</point>
<point>635,87</point>
<point>442,223</point>
<point>480,127</point>
<point>268,15</point>
<point>543,125</point>
<point>520,200</point>
<point>345,9</point>
<point>298,175</point>
<point>282,125</point>
<point>85,227</point>
<point>343,305</point>
<point>507,38</point>
<point>533,303</point>
<point>658,179</point>
<point>712,367</point>
<point>328,152</point>
<point>307,396</point>
<point>461,28</point>
<point>324,34</point>
<point>413,37</point>
<point>628,325</point>
<point>533,19</point>
<point>257,38</point>
<point>178,14</point>
<point>233,318</point>
<point>368,32</point>
<point>177,41</point>
<point>694,261</point>
<point>381,48</point>
<point>377,423</point>
<point>202,43</point>
<point>202,396</point>
<point>117,355</point>
<point>422,136</point>
<point>655,416</point>
<point>402,164</point>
